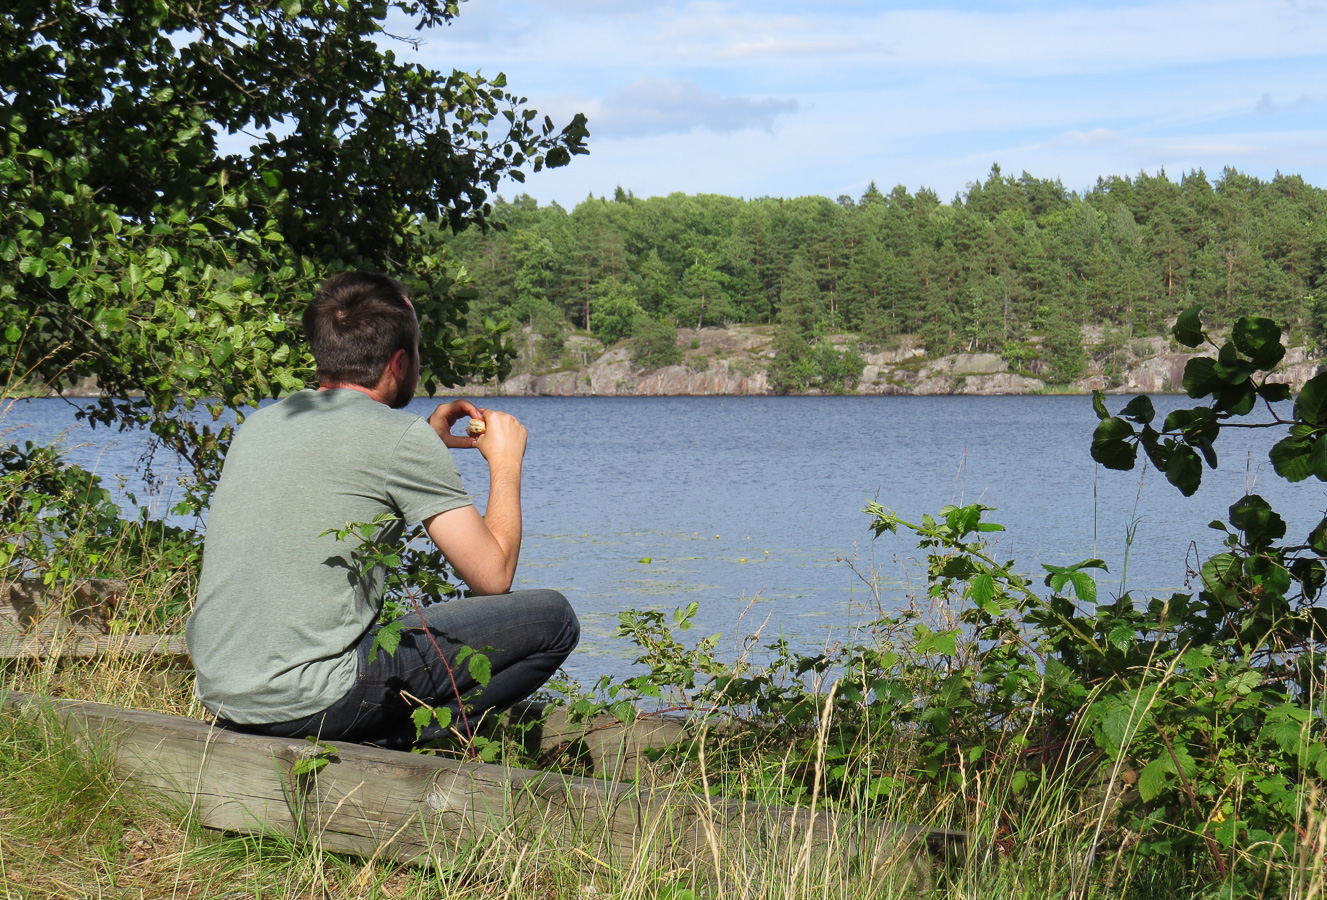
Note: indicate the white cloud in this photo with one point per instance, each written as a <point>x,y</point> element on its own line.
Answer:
<point>654,106</point>
<point>1097,137</point>
<point>782,48</point>
<point>915,93</point>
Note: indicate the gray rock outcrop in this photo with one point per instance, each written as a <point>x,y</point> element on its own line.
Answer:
<point>734,361</point>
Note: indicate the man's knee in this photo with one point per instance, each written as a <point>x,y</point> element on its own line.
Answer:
<point>573,626</point>
<point>569,634</point>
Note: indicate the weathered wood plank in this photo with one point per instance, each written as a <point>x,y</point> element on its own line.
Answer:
<point>602,745</point>
<point>413,807</point>
<point>87,646</point>
<point>85,606</point>
<point>72,621</point>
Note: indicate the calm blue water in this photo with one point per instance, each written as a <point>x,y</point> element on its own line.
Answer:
<point>752,505</point>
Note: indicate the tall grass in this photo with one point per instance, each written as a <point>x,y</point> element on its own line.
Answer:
<point>69,828</point>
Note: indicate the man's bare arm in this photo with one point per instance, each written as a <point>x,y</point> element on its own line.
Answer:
<point>484,549</point>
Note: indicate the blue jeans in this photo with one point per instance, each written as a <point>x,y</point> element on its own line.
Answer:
<point>526,635</point>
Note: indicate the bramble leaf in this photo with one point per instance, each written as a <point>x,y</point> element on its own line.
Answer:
<point>1152,779</point>
<point>481,669</point>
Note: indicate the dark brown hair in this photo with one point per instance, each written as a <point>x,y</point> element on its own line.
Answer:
<point>355,323</point>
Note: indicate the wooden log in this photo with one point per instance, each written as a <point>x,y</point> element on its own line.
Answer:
<point>72,621</point>
<point>601,745</point>
<point>87,646</point>
<point>419,808</point>
<point>35,608</point>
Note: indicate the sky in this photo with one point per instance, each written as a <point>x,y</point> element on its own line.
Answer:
<point>755,98</point>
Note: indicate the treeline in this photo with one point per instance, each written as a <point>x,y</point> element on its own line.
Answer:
<point>1011,265</point>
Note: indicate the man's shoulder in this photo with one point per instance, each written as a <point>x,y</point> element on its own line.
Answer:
<point>320,421</point>
<point>326,408</point>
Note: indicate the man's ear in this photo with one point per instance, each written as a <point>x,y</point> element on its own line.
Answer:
<point>398,365</point>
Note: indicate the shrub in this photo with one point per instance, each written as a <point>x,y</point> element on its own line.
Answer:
<point>654,343</point>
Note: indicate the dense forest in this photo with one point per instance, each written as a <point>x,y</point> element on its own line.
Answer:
<point>1013,266</point>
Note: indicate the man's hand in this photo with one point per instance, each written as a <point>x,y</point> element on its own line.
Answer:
<point>484,549</point>
<point>444,418</point>
<point>503,440</point>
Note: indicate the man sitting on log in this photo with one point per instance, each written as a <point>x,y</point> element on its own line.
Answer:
<point>285,620</point>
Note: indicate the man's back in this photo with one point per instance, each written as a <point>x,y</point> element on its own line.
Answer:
<point>280,606</point>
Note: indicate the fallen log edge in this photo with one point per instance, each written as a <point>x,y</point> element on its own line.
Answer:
<point>403,806</point>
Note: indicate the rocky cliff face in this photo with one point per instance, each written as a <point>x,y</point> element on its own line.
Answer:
<point>612,374</point>
<point>733,361</point>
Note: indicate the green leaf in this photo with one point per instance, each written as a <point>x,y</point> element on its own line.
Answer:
<point>62,277</point>
<point>1084,587</point>
<point>1099,405</point>
<point>1121,637</point>
<point>108,320</point>
<point>1199,660</point>
<point>1188,328</point>
<point>1255,517</point>
<point>481,669</point>
<point>1139,409</point>
<point>1200,379</point>
<point>1237,399</point>
<point>1318,457</point>
<point>1184,470</point>
<point>387,638</point>
<point>1220,573</point>
<point>1318,537</point>
<point>983,589</point>
<point>1259,339</point>
<point>1311,405</point>
<point>1290,458</point>
<point>1274,391</point>
<point>222,351</point>
<point>1152,780</point>
<point>1110,447</point>
<point>944,643</point>
<point>1311,575</point>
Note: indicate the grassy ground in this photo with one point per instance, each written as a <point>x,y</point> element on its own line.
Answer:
<point>69,828</point>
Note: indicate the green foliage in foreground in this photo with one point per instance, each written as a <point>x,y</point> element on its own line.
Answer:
<point>1188,730</point>
<point>133,249</point>
<point>59,525</point>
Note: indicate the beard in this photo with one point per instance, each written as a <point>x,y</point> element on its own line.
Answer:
<point>405,388</point>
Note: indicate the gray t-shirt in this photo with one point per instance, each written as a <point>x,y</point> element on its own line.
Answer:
<point>280,604</point>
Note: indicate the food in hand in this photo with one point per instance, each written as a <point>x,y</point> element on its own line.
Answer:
<point>475,428</point>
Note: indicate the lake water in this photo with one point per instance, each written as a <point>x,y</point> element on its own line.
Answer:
<point>752,505</point>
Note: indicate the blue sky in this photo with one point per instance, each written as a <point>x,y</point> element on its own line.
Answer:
<point>769,98</point>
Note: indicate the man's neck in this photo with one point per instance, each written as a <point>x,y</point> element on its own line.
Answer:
<point>339,386</point>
